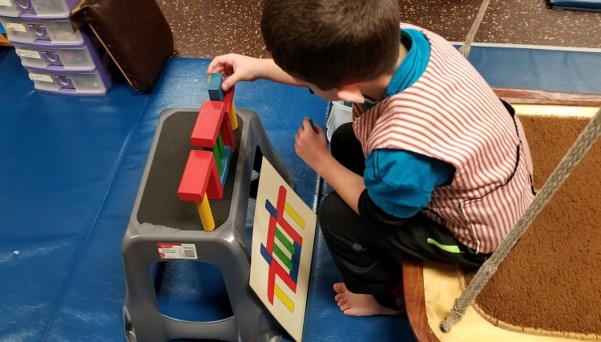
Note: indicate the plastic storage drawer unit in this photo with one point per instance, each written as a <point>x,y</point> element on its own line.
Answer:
<point>50,9</point>
<point>41,32</point>
<point>96,82</point>
<point>59,57</point>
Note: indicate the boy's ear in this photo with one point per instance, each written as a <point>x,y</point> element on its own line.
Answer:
<point>350,92</point>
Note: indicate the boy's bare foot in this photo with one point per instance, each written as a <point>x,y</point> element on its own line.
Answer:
<point>355,304</point>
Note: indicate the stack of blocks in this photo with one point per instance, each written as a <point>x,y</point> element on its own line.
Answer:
<point>206,170</point>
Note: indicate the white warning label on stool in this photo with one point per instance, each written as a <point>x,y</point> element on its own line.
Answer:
<point>169,250</point>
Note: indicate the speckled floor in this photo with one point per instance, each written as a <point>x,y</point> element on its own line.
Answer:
<point>206,28</point>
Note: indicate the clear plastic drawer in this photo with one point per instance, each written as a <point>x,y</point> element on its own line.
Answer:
<point>60,58</point>
<point>95,82</point>
<point>47,9</point>
<point>43,32</point>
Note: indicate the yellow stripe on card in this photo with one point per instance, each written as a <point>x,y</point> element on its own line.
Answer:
<point>288,303</point>
<point>294,215</point>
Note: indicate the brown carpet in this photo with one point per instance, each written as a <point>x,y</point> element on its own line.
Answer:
<point>551,280</point>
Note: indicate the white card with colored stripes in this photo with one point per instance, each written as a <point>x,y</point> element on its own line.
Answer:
<point>282,249</point>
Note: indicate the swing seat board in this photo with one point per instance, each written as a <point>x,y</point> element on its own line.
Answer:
<point>430,305</point>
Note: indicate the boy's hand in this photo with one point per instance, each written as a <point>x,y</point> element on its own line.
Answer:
<point>235,68</point>
<point>311,144</point>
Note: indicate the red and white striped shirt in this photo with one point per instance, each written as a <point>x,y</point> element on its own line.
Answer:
<point>450,113</point>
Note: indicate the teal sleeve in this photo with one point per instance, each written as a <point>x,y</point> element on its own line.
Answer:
<point>401,182</point>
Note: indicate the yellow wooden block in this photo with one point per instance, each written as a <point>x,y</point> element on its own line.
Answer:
<point>233,117</point>
<point>205,213</point>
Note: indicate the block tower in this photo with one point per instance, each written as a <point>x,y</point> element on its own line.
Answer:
<point>206,170</point>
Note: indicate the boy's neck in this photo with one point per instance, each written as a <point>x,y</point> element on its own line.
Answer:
<point>376,89</point>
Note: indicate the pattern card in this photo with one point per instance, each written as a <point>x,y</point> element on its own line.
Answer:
<point>282,249</point>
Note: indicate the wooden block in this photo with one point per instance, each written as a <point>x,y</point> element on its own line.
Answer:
<point>215,187</point>
<point>214,87</point>
<point>228,99</point>
<point>208,124</point>
<point>206,215</point>
<point>219,144</point>
<point>227,134</point>
<point>233,116</point>
<point>218,155</point>
<point>226,127</point>
<point>200,177</point>
<point>227,156</point>
<point>230,109</point>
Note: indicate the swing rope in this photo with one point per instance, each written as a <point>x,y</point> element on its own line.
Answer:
<point>571,159</point>
<point>467,45</point>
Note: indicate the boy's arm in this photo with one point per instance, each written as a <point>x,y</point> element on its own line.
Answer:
<point>312,147</point>
<point>345,182</point>
<point>274,73</point>
<point>236,68</point>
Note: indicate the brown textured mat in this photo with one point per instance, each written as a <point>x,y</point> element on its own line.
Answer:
<point>551,280</point>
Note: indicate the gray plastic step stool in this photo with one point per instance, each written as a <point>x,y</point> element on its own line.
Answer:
<point>158,216</point>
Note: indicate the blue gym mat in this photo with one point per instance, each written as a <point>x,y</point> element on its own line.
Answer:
<point>576,5</point>
<point>70,167</point>
<point>546,68</point>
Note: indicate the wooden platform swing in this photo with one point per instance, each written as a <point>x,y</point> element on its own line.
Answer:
<point>437,295</point>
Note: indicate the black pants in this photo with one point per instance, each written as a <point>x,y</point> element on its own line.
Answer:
<point>364,253</point>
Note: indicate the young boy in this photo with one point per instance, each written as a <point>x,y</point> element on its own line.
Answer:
<point>434,165</point>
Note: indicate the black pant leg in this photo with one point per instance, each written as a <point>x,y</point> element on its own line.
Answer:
<point>364,253</point>
<point>423,238</point>
<point>346,148</point>
<point>360,254</point>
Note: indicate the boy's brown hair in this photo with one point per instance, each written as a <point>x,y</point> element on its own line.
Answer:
<point>331,43</point>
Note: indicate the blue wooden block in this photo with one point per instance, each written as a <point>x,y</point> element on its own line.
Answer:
<point>225,163</point>
<point>215,91</point>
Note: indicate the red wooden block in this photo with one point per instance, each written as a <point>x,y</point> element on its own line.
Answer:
<point>200,177</point>
<point>227,133</point>
<point>208,124</point>
<point>228,99</point>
